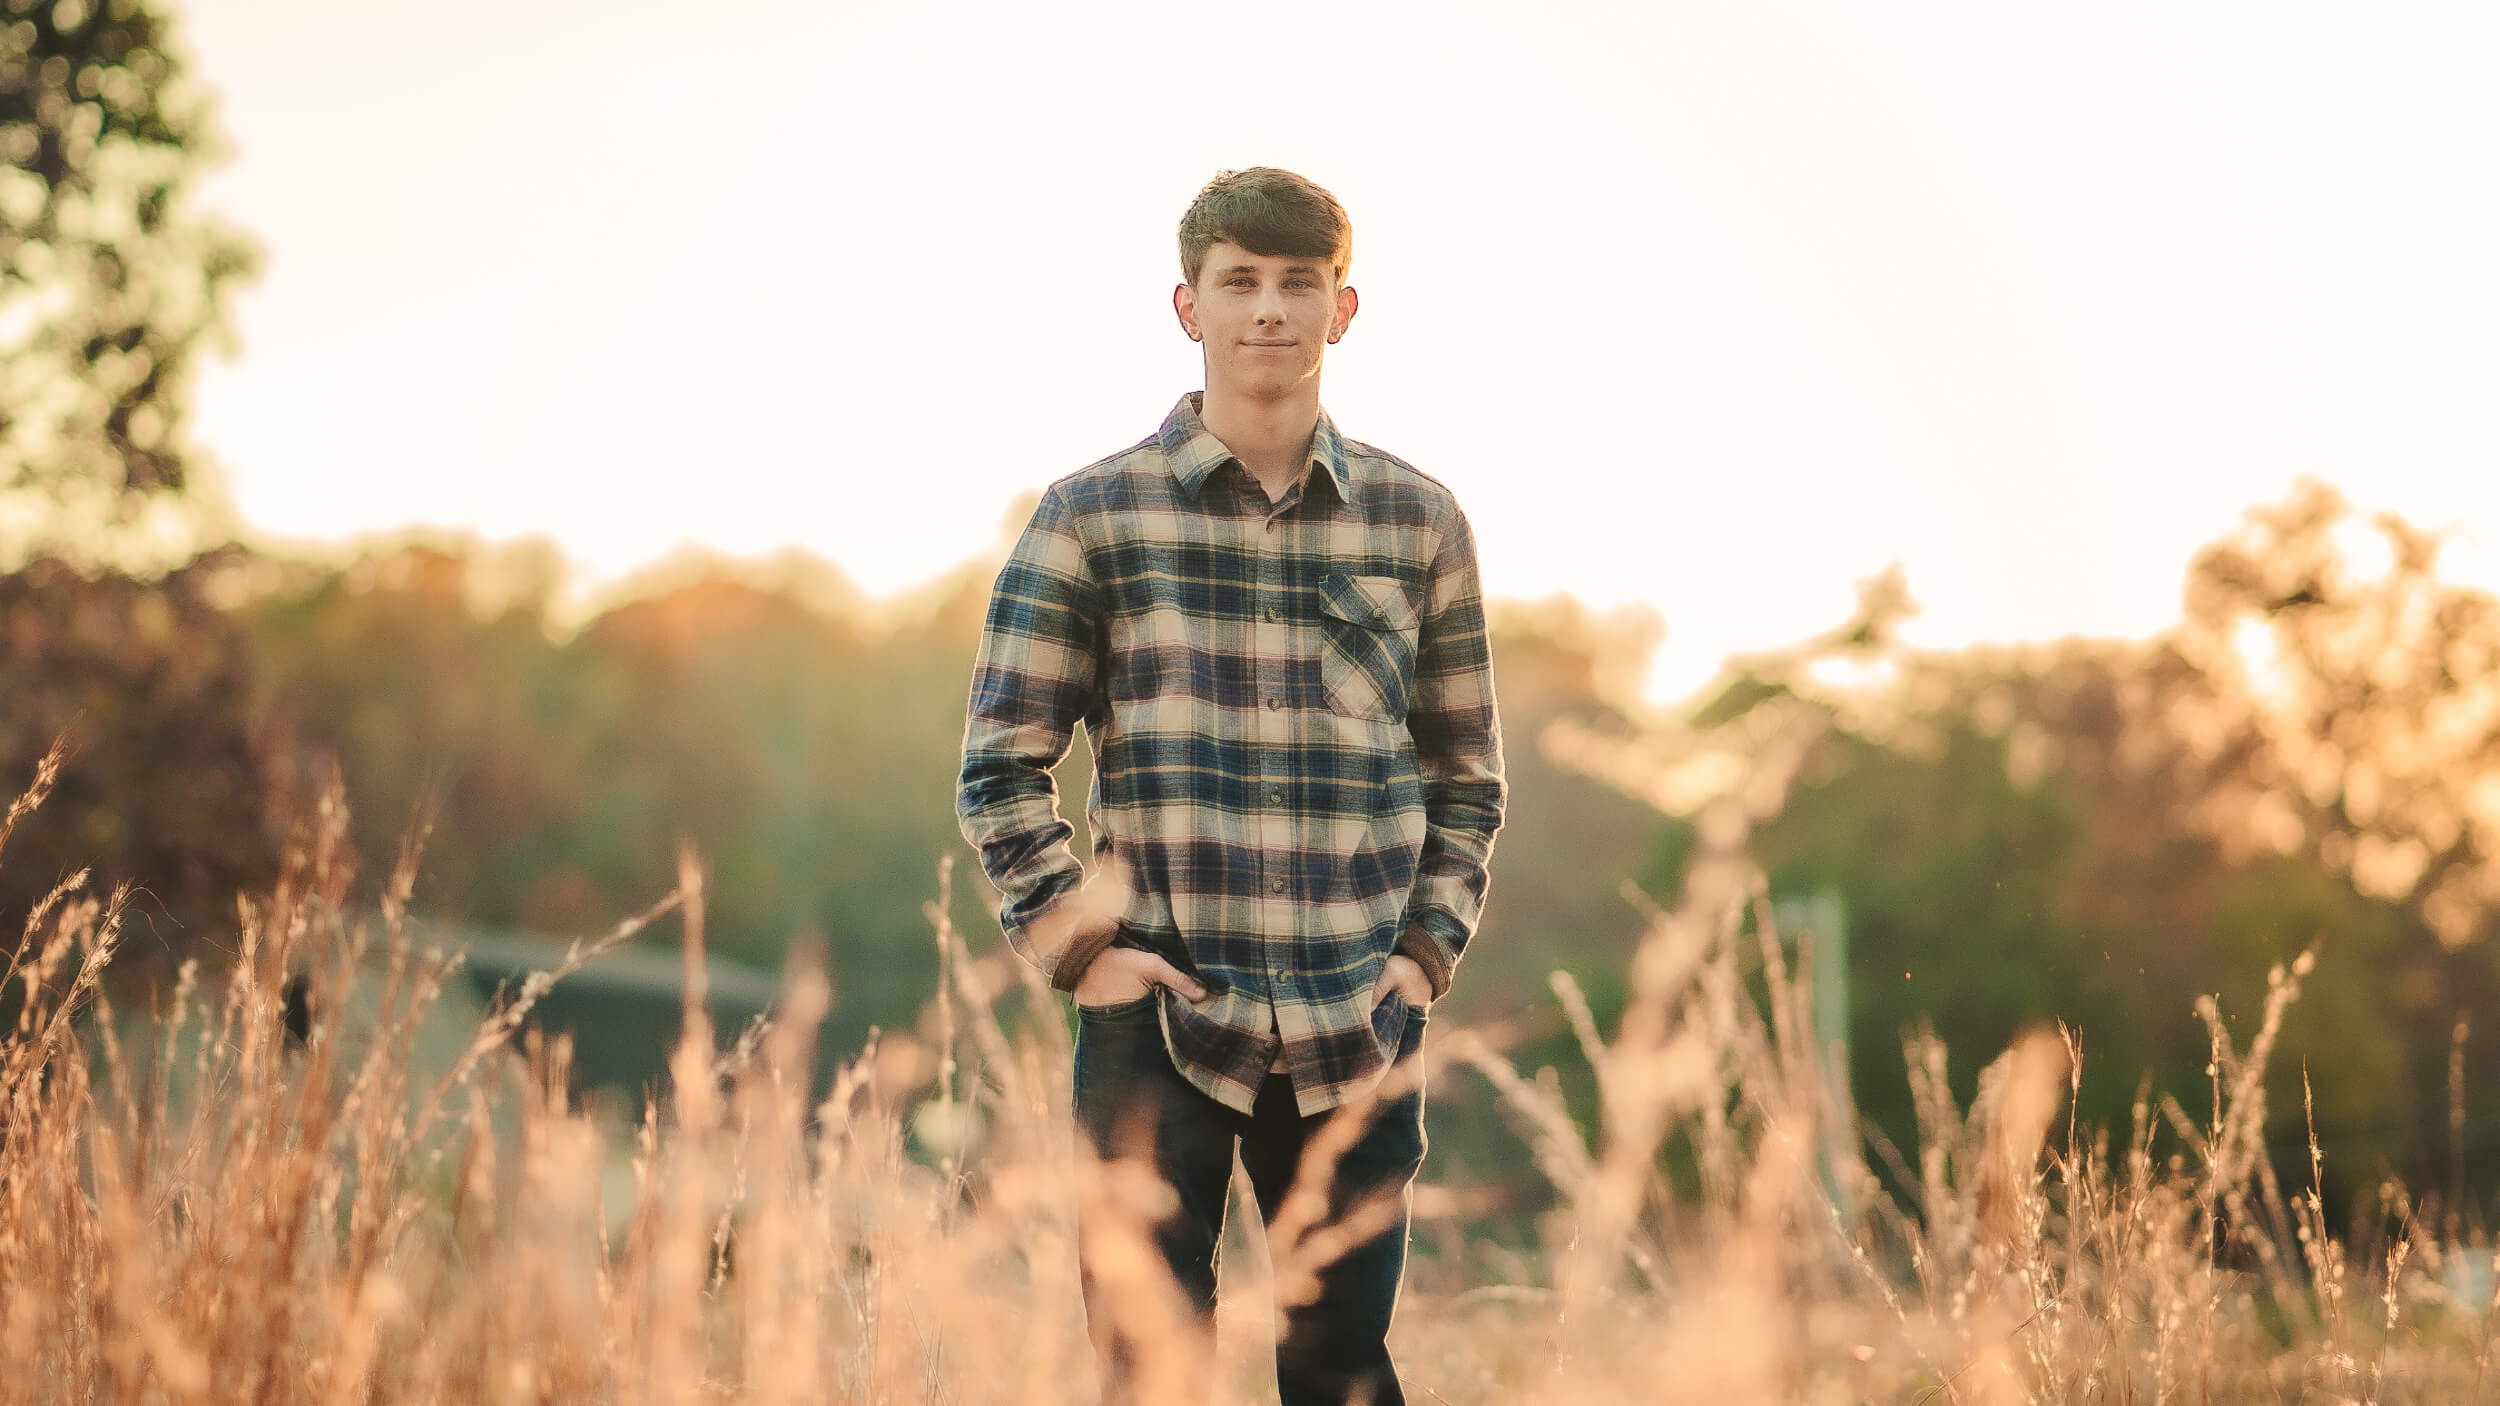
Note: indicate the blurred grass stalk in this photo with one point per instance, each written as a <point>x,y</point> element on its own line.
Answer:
<point>267,1198</point>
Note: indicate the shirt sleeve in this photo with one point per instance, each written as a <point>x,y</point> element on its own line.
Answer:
<point>1458,749</point>
<point>1036,675</point>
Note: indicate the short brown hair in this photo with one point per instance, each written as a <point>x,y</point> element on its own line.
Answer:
<point>1269,212</point>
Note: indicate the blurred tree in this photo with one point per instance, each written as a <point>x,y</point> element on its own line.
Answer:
<point>1950,874</point>
<point>803,741</point>
<point>110,284</point>
<point>165,788</point>
<point>428,671</point>
<point>1568,841</point>
<point>2361,702</point>
<point>2097,831</point>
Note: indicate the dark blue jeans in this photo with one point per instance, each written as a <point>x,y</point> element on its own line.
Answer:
<point>1329,1351</point>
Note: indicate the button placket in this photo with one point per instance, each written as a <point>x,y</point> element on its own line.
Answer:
<point>1274,727</point>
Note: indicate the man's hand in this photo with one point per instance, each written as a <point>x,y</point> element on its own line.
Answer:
<point>1126,973</point>
<point>1404,976</point>
<point>1081,925</point>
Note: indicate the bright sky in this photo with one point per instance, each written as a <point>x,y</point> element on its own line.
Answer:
<point>1714,306</point>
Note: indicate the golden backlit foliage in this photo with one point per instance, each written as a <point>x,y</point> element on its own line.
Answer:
<point>2365,692</point>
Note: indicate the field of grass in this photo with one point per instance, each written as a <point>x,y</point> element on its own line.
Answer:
<point>257,1190</point>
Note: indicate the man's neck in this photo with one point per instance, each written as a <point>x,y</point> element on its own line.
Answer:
<point>1271,438</point>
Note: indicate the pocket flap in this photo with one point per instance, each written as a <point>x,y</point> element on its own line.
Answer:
<point>1374,602</point>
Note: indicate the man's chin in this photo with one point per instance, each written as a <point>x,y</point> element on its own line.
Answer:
<point>1268,389</point>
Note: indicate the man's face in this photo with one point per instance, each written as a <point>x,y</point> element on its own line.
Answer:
<point>1265,319</point>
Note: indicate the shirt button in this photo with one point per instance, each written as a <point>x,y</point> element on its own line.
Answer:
<point>1274,702</point>
<point>1276,795</point>
<point>1275,886</point>
<point>1271,615</point>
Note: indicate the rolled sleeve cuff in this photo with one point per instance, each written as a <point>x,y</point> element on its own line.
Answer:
<point>1079,954</point>
<point>1418,943</point>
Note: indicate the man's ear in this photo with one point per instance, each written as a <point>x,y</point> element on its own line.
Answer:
<point>1347,304</point>
<point>1185,307</point>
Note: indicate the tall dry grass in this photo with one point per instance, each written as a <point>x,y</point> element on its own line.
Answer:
<point>197,1205</point>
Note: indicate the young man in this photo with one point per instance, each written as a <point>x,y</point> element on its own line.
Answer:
<point>1275,639</point>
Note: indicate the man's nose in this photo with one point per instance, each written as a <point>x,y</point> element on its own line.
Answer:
<point>1271,309</point>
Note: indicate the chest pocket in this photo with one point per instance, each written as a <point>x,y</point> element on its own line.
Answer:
<point>1368,626</point>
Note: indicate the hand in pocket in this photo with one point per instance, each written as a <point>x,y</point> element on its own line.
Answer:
<point>1124,974</point>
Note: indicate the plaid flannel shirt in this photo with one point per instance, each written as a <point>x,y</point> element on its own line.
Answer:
<point>1296,753</point>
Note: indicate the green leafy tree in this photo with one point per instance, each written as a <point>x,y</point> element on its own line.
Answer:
<point>111,284</point>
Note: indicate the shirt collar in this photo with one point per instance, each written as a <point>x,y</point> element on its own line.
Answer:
<point>1193,453</point>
